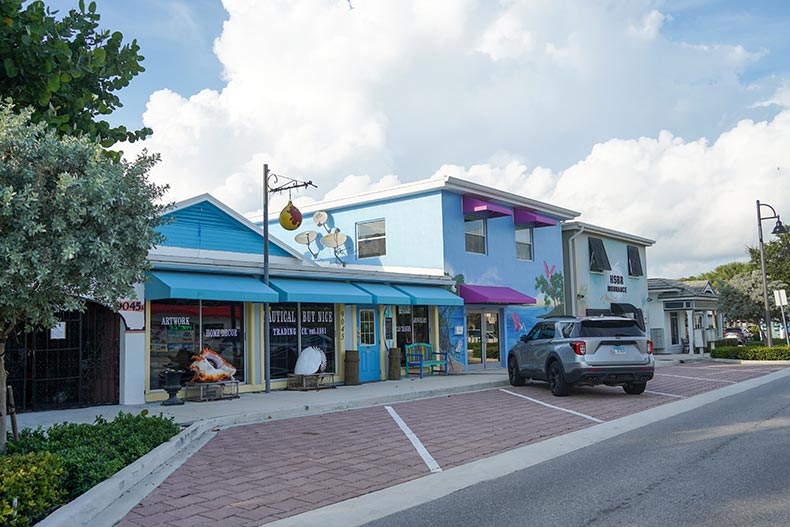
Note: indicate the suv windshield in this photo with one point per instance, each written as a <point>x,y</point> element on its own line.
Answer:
<point>610,328</point>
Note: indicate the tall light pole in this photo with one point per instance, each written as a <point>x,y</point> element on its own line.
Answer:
<point>778,229</point>
<point>270,184</point>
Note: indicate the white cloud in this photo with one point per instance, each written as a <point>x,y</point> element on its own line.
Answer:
<point>696,199</point>
<point>650,26</point>
<point>781,97</point>
<point>344,97</point>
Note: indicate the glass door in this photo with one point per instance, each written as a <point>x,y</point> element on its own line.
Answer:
<point>483,339</point>
<point>492,340</point>
<point>474,341</point>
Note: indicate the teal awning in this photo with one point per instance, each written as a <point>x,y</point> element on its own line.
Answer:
<point>319,291</point>
<point>423,295</point>
<point>384,294</point>
<point>207,286</point>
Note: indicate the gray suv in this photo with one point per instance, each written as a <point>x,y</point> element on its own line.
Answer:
<point>566,351</point>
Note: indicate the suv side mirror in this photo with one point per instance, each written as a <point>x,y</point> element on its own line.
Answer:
<point>523,338</point>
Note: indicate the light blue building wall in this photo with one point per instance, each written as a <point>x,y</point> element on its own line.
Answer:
<point>499,266</point>
<point>426,230</point>
<point>413,231</point>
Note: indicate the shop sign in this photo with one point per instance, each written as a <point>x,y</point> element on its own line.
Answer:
<point>616,284</point>
<point>58,331</point>
<point>132,310</point>
<point>222,332</point>
<point>176,323</point>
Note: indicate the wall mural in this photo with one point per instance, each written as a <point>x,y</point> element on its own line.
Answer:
<point>516,321</point>
<point>552,285</point>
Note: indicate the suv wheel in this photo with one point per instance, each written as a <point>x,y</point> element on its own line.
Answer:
<point>513,375</point>
<point>559,387</point>
<point>634,388</point>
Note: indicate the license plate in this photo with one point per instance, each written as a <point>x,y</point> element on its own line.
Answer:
<point>618,350</point>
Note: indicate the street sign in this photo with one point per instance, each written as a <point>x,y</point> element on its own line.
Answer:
<point>780,297</point>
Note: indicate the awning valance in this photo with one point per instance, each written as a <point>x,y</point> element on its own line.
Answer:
<point>319,291</point>
<point>486,294</point>
<point>384,294</point>
<point>526,217</point>
<point>484,208</point>
<point>422,295</point>
<point>207,286</point>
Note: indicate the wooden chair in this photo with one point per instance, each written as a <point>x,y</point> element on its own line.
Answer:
<point>421,355</point>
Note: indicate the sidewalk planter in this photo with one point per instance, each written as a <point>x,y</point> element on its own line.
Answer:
<point>394,364</point>
<point>352,368</point>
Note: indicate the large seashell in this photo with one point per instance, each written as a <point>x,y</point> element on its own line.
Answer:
<point>209,366</point>
<point>311,360</point>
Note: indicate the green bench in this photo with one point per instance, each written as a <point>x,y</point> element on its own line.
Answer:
<point>421,355</point>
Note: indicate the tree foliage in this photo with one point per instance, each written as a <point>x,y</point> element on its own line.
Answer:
<point>723,273</point>
<point>741,298</point>
<point>67,69</point>
<point>74,225</point>
<point>777,258</point>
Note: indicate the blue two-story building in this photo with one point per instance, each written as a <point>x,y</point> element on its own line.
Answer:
<point>503,252</point>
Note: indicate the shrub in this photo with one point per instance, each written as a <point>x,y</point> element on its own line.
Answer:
<point>30,487</point>
<point>752,353</point>
<point>92,453</point>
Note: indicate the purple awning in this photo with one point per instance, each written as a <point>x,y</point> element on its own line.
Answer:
<point>525,217</point>
<point>489,294</point>
<point>484,208</point>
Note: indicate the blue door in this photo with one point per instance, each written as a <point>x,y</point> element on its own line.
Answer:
<point>368,343</point>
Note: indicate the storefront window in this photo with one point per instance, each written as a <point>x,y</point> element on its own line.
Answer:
<point>411,326</point>
<point>284,343</point>
<point>419,324</point>
<point>318,329</point>
<point>223,332</point>
<point>294,327</point>
<point>175,336</point>
<point>180,329</point>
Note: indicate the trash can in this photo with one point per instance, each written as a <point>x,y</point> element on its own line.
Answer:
<point>394,366</point>
<point>352,368</point>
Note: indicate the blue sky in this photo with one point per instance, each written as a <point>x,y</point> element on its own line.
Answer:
<point>663,118</point>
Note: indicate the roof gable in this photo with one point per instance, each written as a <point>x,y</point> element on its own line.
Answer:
<point>206,223</point>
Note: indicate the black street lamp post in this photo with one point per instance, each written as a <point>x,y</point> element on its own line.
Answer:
<point>778,229</point>
<point>271,184</point>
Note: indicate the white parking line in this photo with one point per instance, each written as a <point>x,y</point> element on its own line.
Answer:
<point>591,418</point>
<point>695,378</point>
<point>666,394</point>
<point>432,464</point>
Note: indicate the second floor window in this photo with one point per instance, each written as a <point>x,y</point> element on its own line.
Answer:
<point>523,243</point>
<point>475,229</point>
<point>371,239</point>
<point>634,261</point>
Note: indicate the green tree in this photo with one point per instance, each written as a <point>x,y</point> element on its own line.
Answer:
<point>777,258</point>
<point>74,225</point>
<point>67,70</point>
<point>723,273</point>
<point>741,298</point>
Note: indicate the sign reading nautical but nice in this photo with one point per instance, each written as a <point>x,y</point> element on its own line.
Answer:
<point>616,284</point>
<point>280,317</point>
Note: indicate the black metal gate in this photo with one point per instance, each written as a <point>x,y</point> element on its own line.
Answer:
<point>74,365</point>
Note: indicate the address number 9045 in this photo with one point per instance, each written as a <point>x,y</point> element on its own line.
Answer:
<point>131,305</point>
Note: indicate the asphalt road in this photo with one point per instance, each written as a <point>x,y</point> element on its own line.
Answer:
<point>725,464</point>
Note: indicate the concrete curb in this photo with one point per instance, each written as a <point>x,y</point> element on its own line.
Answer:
<point>87,506</point>
<point>754,362</point>
<point>110,493</point>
